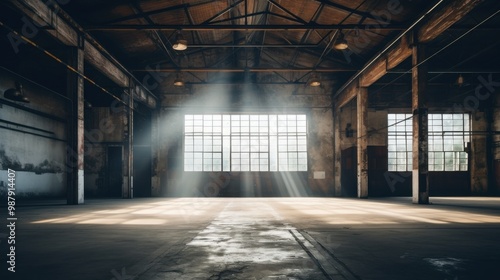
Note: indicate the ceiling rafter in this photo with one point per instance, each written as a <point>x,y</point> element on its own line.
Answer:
<point>233,27</point>
<point>158,38</point>
<point>265,19</point>
<point>159,11</point>
<point>328,48</point>
<point>254,14</point>
<point>347,9</point>
<point>234,14</point>
<point>282,16</point>
<point>237,17</point>
<point>229,8</point>
<point>247,69</point>
<point>287,11</point>
<point>196,33</point>
<point>306,35</point>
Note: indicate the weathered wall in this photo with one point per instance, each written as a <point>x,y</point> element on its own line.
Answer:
<point>496,143</point>
<point>33,139</point>
<point>477,162</point>
<point>383,182</point>
<point>103,128</point>
<point>315,103</point>
<point>348,120</point>
<point>321,150</point>
<point>376,126</point>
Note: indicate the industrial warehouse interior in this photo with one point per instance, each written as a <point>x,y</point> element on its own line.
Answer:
<point>250,139</point>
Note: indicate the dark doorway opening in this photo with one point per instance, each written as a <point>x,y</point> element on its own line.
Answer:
<point>348,176</point>
<point>142,171</point>
<point>115,171</point>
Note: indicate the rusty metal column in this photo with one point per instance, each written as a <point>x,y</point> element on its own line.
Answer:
<point>362,141</point>
<point>420,174</point>
<point>128,144</point>
<point>75,128</point>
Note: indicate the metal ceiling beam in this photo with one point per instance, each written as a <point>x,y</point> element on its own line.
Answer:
<point>306,35</point>
<point>448,15</point>
<point>196,33</point>
<point>237,17</point>
<point>222,12</point>
<point>347,9</point>
<point>252,46</point>
<point>65,30</point>
<point>465,71</point>
<point>236,27</point>
<point>244,83</point>
<point>159,11</point>
<point>264,18</point>
<point>160,39</point>
<point>283,17</point>
<point>286,11</point>
<point>238,70</point>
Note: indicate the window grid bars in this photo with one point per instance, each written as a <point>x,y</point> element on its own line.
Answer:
<point>448,135</point>
<point>250,135</point>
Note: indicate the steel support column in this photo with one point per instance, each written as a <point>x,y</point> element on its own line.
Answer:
<point>362,142</point>
<point>128,147</point>
<point>75,128</point>
<point>420,174</point>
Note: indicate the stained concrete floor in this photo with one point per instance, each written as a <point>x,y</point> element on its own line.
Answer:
<point>258,238</point>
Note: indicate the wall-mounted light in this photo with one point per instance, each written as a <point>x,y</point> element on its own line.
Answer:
<point>16,94</point>
<point>341,42</point>
<point>314,81</point>
<point>180,43</point>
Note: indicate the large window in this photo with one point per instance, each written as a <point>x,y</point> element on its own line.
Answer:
<point>448,135</point>
<point>245,143</point>
<point>399,142</point>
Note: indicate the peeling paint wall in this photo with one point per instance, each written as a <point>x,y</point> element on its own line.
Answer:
<point>33,140</point>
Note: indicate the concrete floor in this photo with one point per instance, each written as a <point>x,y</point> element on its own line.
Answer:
<point>258,238</point>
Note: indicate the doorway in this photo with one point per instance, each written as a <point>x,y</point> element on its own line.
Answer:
<point>142,171</point>
<point>114,171</point>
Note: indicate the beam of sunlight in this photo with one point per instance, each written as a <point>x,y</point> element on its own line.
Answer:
<point>210,100</point>
<point>148,211</point>
<point>333,211</point>
<point>144,222</point>
<point>102,221</point>
<point>117,211</point>
<point>292,185</point>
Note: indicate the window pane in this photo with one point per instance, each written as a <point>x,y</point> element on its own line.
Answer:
<point>399,141</point>
<point>447,136</point>
<point>251,142</point>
